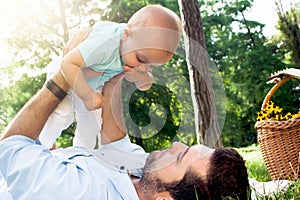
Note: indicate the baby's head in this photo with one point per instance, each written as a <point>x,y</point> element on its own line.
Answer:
<point>150,38</point>
<point>155,16</point>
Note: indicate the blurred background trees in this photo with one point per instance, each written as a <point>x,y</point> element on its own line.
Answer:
<point>237,46</point>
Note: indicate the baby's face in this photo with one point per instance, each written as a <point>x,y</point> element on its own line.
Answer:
<point>145,59</point>
<point>143,49</point>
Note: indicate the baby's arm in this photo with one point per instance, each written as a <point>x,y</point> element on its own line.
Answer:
<point>71,70</point>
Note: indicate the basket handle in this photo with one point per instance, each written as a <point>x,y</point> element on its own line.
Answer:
<point>273,89</point>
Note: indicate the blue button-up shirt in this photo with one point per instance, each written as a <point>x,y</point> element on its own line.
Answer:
<point>33,172</point>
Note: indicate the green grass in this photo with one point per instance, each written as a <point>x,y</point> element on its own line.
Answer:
<point>257,170</point>
<point>254,163</point>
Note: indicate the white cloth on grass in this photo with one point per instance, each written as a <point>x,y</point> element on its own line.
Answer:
<point>263,189</point>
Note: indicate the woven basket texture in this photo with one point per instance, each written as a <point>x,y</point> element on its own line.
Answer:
<point>280,146</point>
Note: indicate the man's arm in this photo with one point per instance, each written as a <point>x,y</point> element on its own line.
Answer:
<point>31,119</point>
<point>113,125</point>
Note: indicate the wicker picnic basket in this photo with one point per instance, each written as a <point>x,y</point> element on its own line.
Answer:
<point>279,142</point>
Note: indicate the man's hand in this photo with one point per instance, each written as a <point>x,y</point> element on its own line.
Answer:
<point>94,101</point>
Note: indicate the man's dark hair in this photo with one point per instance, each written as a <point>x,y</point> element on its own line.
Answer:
<point>227,176</point>
<point>191,187</point>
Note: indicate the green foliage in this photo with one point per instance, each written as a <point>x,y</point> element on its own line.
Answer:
<point>44,31</point>
<point>245,59</point>
<point>160,115</point>
<point>289,26</point>
<point>122,10</point>
<point>66,138</point>
<point>14,97</point>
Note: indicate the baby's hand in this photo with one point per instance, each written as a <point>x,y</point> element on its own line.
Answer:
<point>94,101</point>
<point>143,80</point>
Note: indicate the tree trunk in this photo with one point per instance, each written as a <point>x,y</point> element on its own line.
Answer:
<point>207,127</point>
<point>63,20</point>
<point>290,29</point>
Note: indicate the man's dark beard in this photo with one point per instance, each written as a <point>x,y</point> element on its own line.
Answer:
<point>191,187</point>
<point>150,183</point>
<point>149,165</point>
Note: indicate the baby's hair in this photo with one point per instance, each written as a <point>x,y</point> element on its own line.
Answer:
<point>159,17</point>
<point>160,21</point>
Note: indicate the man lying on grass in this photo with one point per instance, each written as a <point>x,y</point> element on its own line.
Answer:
<point>118,169</point>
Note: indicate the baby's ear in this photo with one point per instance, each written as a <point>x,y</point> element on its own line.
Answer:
<point>126,33</point>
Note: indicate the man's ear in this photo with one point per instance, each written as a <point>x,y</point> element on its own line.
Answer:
<point>163,196</point>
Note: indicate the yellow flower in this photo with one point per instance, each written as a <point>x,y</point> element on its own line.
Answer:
<point>274,113</point>
<point>295,115</point>
<point>288,116</point>
<point>277,110</point>
<point>270,103</point>
<point>277,117</point>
